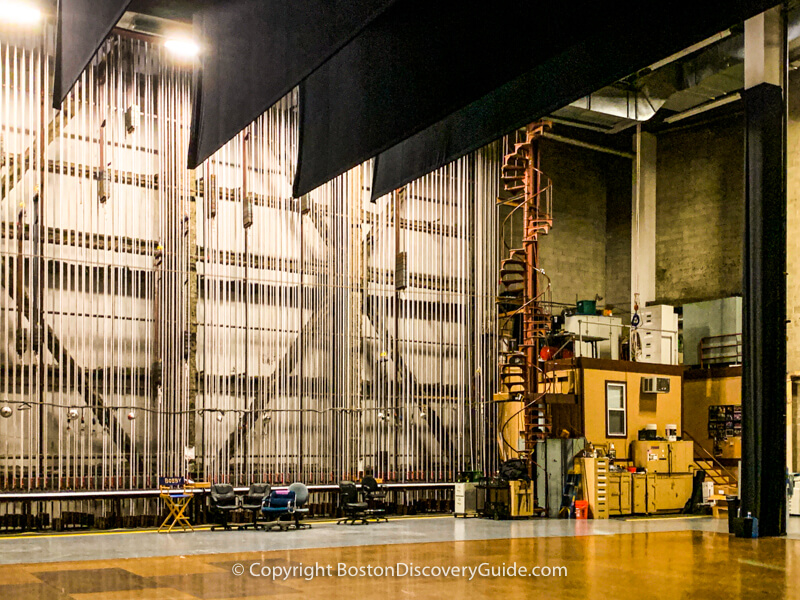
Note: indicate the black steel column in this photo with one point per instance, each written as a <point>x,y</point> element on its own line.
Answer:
<point>763,485</point>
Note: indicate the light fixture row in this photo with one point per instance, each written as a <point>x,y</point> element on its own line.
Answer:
<point>26,14</point>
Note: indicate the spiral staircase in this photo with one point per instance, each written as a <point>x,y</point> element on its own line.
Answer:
<point>524,290</point>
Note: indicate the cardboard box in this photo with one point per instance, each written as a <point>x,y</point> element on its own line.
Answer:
<point>732,448</point>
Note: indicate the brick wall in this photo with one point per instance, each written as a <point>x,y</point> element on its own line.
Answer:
<point>700,212</point>
<point>619,187</point>
<point>574,253</point>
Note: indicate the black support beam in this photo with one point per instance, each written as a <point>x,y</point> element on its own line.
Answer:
<point>763,486</point>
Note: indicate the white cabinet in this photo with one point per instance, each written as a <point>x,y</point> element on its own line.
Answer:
<point>658,333</point>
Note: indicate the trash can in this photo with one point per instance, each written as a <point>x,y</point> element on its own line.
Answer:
<point>733,511</point>
<point>581,509</point>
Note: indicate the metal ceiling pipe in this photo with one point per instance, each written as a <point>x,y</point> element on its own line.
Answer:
<point>565,140</point>
<point>703,108</point>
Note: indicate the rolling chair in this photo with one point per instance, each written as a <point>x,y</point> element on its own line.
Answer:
<point>348,501</point>
<point>300,499</point>
<point>373,494</point>
<point>222,503</point>
<point>280,503</point>
<point>253,501</point>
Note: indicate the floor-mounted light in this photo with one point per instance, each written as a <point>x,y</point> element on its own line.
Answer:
<point>19,13</point>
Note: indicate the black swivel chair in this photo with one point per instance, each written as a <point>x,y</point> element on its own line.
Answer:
<point>222,503</point>
<point>348,501</point>
<point>253,501</point>
<point>373,494</point>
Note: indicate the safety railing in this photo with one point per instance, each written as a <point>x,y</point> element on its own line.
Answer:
<point>721,350</point>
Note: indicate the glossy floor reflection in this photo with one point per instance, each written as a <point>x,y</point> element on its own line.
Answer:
<point>668,565</point>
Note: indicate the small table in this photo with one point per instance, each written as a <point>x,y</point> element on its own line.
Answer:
<point>568,337</point>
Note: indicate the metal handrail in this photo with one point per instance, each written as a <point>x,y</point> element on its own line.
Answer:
<point>47,496</point>
<point>711,457</point>
<point>547,189</point>
<point>705,346</point>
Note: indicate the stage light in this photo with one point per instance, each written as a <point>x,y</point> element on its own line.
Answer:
<point>182,47</point>
<point>19,13</point>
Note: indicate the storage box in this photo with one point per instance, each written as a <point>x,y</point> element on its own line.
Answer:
<point>708,491</point>
<point>663,457</point>
<point>732,448</point>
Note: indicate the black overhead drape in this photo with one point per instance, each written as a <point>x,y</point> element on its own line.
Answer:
<point>634,40</point>
<point>418,62</point>
<point>82,26</point>
<point>421,61</point>
<point>256,51</point>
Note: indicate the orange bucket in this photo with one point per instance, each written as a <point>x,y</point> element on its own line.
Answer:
<point>581,509</point>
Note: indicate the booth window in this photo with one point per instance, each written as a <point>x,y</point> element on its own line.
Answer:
<point>616,422</point>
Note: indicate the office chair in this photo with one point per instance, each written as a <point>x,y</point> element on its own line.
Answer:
<point>373,494</point>
<point>222,502</point>
<point>300,499</point>
<point>253,501</point>
<point>278,504</point>
<point>348,501</point>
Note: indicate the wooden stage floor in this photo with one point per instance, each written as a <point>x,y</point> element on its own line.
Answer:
<point>653,565</point>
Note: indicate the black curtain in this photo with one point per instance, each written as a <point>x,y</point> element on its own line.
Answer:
<point>632,42</point>
<point>82,26</point>
<point>256,51</point>
<point>420,61</point>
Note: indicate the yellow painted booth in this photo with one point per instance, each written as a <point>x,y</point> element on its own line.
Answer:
<point>609,401</point>
<point>703,388</point>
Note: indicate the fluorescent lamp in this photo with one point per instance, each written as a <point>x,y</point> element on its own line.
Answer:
<point>19,13</point>
<point>182,47</point>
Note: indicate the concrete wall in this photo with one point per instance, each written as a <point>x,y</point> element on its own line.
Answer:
<point>793,227</point>
<point>574,253</point>
<point>700,212</point>
<point>618,235</point>
<point>723,386</point>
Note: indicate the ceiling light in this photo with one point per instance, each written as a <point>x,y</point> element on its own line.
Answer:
<point>19,13</point>
<point>182,47</point>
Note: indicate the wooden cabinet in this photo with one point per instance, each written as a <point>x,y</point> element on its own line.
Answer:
<point>521,497</point>
<point>619,493</point>
<point>595,485</point>
<point>639,501</point>
<point>668,492</point>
